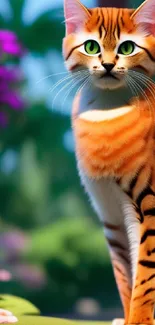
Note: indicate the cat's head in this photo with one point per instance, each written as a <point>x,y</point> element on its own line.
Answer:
<point>110,43</point>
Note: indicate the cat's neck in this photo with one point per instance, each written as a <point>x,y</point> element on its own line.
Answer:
<point>100,99</point>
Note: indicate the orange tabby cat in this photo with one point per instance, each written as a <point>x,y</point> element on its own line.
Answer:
<point>113,52</point>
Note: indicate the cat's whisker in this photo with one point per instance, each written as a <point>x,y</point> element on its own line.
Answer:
<point>132,88</point>
<point>57,74</point>
<point>64,79</point>
<point>136,90</point>
<point>152,92</point>
<point>141,78</point>
<point>147,86</point>
<point>72,87</point>
<point>65,86</point>
<point>129,83</point>
<point>142,92</point>
<point>84,84</point>
<point>51,75</point>
<point>59,83</point>
<point>147,82</point>
<point>142,75</point>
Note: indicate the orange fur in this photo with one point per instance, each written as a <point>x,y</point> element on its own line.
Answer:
<point>120,148</point>
<point>118,144</point>
<point>112,144</point>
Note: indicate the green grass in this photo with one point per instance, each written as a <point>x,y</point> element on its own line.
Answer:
<point>37,320</point>
<point>22,308</point>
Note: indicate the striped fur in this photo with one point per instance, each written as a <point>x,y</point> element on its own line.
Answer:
<point>115,141</point>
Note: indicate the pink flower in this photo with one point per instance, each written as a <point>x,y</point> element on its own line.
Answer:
<point>13,243</point>
<point>5,276</point>
<point>30,275</point>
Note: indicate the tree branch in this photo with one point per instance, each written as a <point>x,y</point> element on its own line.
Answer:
<point>112,3</point>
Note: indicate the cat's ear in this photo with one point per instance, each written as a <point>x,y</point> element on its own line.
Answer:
<point>75,15</point>
<point>144,17</point>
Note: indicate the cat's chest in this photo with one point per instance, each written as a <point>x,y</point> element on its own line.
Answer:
<point>110,143</point>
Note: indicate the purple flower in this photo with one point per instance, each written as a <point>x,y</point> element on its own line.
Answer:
<point>13,243</point>
<point>9,76</point>
<point>11,48</point>
<point>11,99</point>
<point>3,119</point>
<point>9,43</point>
<point>7,35</point>
<point>13,247</point>
<point>31,276</point>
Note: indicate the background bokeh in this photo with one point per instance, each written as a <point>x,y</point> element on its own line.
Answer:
<point>51,241</point>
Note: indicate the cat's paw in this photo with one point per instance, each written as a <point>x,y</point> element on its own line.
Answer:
<point>118,321</point>
<point>6,317</point>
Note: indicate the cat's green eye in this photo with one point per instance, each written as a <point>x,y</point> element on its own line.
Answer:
<point>92,47</point>
<point>126,48</point>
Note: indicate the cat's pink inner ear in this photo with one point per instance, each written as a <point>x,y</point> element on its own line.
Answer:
<point>75,15</point>
<point>144,16</point>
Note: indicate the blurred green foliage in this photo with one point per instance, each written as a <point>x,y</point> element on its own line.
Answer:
<point>41,194</point>
<point>18,305</point>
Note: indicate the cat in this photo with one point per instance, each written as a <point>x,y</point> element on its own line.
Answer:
<point>112,52</point>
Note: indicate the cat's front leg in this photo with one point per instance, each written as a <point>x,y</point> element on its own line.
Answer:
<point>143,294</point>
<point>6,317</point>
<point>106,198</point>
<point>121,267</point>
<point>118,321</point>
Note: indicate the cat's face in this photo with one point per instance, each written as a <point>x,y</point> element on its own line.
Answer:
<point>110,43</point>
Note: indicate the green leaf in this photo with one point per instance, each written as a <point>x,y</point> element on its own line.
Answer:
<point>45,33</point>
<point>17,8</point>
<point>2,22</point>
<point>136,4</point>
<point>18,306</point>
